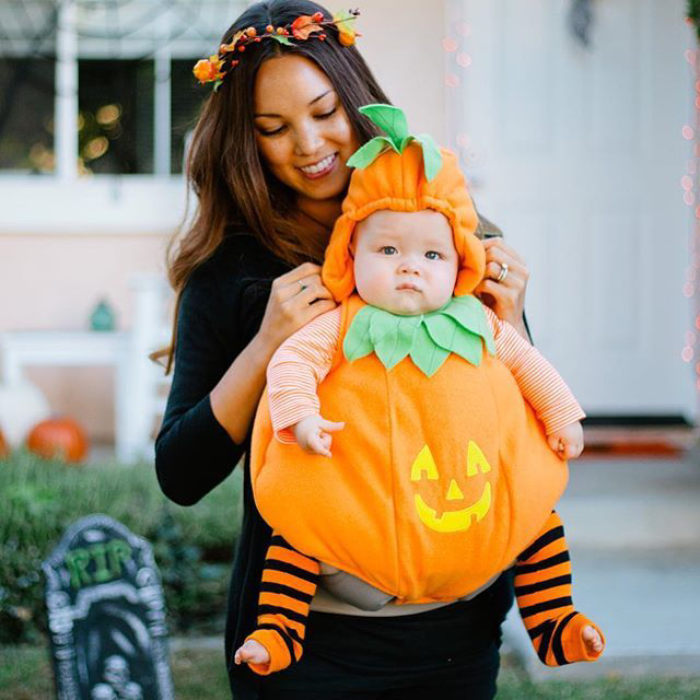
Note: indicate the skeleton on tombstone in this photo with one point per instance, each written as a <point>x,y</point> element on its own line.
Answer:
<point>118,675</point>
<point>102,691</point>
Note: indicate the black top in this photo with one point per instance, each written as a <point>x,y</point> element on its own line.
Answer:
<point>220,311</point>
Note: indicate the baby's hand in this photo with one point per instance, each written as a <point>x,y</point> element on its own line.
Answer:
<point>313,434</point>
<point>252,652</point>
<point>568,441</point>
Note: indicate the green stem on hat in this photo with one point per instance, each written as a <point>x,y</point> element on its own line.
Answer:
<point>393,122</point>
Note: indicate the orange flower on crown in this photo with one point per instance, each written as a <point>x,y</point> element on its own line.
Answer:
<point>344,22</point>
<point>208,69</point>
<point>305,25</point>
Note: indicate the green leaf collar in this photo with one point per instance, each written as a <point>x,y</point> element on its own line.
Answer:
<point>393,122</point>
<point>460,327</point>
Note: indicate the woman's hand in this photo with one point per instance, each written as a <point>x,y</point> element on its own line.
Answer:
<point>291,305</point>
<point>507,297</point>
<point>296,298</point>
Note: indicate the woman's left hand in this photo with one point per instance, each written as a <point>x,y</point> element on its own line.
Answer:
<point>507,297</point>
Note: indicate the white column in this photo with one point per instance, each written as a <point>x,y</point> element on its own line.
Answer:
<point>66,105</point>
<point>140,379</point>
<point>161,101</point>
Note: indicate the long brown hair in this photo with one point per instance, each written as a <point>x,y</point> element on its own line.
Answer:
<point>232,185</point>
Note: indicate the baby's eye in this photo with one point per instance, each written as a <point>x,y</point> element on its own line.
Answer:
<point>433,255</point>
<point>388,250</point>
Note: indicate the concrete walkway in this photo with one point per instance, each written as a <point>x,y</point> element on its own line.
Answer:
<point>633,527</point>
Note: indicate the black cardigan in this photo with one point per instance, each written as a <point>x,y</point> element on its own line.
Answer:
<point>220,311</point>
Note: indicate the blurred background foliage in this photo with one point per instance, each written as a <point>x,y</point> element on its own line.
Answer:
<point>193,546</point>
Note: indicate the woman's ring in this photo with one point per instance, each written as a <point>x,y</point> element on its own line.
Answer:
<point>302,285</point>
<point>503,273</point>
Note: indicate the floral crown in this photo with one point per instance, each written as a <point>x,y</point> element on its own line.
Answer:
<point>210,70</point>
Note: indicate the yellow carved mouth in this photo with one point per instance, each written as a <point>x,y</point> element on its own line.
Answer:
<point>457,520</point>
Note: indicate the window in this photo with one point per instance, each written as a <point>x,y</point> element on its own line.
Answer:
<point>27,87</point>
<point>129,121</point>
<point>26,114</point>
<point>115,100</point>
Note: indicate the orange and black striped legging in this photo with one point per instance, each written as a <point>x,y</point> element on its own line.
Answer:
<point>543,590</point>
<point>288,586</point>
<point>542,587</point>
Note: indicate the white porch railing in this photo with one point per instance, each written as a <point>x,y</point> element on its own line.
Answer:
<point>140,384</point>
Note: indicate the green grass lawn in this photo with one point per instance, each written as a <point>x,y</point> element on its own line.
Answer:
<point>25,674</point>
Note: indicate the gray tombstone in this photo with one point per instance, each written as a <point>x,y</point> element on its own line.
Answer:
<point>106,615</point>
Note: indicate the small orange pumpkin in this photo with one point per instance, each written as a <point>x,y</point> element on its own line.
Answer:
<point>58,438</point>
<point>4,447</point>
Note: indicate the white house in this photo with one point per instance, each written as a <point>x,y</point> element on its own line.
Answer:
<point>578,153</point>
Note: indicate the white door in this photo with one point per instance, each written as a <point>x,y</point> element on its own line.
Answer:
<point>578,154</point>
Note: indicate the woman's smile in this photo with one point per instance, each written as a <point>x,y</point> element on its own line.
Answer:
<point>321,168</point>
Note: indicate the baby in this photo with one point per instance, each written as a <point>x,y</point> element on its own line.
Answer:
<point>412,268</point>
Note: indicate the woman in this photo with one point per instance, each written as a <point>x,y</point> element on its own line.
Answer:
<point>267,162</point>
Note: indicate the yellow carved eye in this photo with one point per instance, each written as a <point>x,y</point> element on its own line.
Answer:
<point>452,520</point>
<point>476,462</point>
<point>424,464</point>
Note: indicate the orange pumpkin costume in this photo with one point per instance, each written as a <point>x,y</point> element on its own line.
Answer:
<point>422,502</point>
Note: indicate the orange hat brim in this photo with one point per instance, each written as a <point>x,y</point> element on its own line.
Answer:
<point>397,182</point>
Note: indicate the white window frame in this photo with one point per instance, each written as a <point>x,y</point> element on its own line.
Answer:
<point>125,203</point>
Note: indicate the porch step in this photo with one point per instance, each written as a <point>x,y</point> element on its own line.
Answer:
<point>633,528</point>
<point>638,503</point>
<point>649,440</point>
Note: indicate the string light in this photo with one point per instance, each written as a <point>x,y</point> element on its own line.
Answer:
<point>463,59</point>
<point>458,61</point>
<point>688,187</point>
<point>464,28</point>
<point>449,44</point>
<point>463,140</point>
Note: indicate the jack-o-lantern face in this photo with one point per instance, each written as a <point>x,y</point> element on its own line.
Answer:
<point>452,520</point>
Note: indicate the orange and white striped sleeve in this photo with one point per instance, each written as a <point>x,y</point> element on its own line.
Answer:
<point>300,364</point>
<point>540,384</point>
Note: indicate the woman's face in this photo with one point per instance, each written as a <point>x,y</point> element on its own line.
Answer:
<point>302,130</point>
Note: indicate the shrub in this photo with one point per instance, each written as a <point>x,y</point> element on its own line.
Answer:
<point>40,499</point>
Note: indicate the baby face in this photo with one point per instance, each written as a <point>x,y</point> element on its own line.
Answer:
<point>405,262</point>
